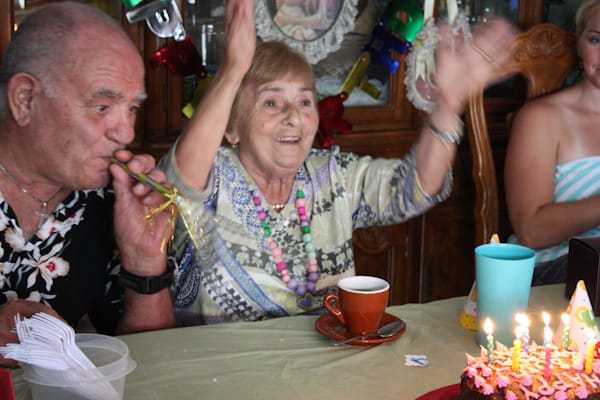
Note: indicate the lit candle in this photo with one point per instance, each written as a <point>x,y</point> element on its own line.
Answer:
<point>523,320</point>
<point>548,351</point>
<point>516,356</point>
<point>589,358</point>
<point>525,333</point>
<point>488,327</point>
<point>566,331</point>
<point>547,331</point>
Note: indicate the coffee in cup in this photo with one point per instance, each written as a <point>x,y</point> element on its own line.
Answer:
<point>360,303</point>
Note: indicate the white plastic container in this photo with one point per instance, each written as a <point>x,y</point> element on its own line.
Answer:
<point>111,357</point>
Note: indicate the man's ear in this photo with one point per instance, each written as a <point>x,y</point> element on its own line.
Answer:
<point>21,90</point>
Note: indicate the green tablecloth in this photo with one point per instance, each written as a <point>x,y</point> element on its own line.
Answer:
<point>286,358</point>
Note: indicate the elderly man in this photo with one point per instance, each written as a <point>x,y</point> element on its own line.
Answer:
<point>74,239</point>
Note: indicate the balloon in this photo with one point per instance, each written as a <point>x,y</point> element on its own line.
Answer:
<point>331,121</point>
<point>181,58</point>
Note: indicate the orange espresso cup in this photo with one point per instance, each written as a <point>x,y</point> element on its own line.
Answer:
<point>360,303</point>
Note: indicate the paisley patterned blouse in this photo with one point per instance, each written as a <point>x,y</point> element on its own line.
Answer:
<point>229,273</point>
<point>67,264</point>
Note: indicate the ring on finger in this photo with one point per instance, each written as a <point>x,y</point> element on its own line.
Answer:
<point>483,54</point>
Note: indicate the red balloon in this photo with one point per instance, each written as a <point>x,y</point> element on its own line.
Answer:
<point>181,57</point>
<point>331,121</point>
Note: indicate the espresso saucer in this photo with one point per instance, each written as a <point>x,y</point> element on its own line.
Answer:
<point>330,326</point>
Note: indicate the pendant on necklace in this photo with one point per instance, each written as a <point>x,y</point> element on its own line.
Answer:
<point>277,207</point>
<point>43,214</point>
<point>43,211</point>
<point>305,302</point>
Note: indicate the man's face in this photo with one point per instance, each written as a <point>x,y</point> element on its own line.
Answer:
<point>83,117</point>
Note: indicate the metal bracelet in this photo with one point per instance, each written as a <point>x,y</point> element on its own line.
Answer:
<point>450,136</point>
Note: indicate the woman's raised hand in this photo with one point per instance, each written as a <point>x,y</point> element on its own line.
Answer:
<point>240,34</point>
<point>463,68</point>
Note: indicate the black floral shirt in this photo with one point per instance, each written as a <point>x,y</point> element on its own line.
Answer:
<point>68,264</point>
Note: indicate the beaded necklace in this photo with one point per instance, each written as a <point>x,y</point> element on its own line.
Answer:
<point>301,287</point>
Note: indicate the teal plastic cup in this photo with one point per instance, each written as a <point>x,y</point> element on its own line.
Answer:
<point>503,273</point>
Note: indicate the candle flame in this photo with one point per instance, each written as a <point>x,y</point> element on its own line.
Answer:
<point>546,318</point>
<point>522,319</point>
<point>519,318</point>
<point>488,327</point>
<point>548,335</point>
<point>518,332</point>
<point>565,319</point>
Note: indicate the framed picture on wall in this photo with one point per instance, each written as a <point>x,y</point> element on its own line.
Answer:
<point>314,27</point>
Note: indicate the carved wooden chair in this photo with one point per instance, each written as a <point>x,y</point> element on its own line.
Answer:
<point>546,54</point>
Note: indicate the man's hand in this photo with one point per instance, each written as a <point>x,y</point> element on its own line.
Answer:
<point>138,239</point>
<point>8,312</point>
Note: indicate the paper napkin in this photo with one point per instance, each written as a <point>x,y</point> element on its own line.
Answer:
<point>581,316</point>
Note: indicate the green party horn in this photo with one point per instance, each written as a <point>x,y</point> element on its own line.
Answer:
<point>143,178</point>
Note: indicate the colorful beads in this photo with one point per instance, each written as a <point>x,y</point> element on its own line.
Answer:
<point>312,272</point>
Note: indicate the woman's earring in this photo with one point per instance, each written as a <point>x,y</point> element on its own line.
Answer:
<point>234,145</point>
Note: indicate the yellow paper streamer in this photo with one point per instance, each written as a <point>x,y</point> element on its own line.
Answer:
<point>179,205</point>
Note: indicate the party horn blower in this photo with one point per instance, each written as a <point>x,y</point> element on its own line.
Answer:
<point>468,314</point>
<point>143,178</point>
<point>199,222</point>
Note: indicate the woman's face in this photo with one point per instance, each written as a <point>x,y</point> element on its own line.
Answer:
<point>589,48</point>
<point>277,125</point>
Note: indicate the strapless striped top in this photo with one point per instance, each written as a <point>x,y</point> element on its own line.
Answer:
<point>573,180</point>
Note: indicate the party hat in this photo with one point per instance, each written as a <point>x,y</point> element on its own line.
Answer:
<point>580,316</point>
<point>468,314</point>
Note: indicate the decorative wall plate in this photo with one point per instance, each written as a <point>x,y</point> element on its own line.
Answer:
<point>314,27</point>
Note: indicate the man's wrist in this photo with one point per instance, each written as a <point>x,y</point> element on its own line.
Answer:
<point>145,284</point>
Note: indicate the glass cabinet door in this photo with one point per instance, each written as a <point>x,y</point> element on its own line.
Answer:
<point>481,10</point>
<point>203,21</point>
<point>204,24</point>
<point>524,13</point>
<point>561,13</point>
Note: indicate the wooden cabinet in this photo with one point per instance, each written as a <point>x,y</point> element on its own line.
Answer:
<point>429,257</point>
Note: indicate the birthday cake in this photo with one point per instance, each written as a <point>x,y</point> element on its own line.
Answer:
<point>559,375</point>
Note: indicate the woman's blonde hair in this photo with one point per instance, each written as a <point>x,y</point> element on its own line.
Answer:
<point>272,60</point>
<point>582,17</point>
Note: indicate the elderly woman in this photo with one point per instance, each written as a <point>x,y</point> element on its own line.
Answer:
<point>285,211</point>
<point>554,152</point>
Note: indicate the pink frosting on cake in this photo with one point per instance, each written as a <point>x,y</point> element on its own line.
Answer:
<point>566,380</point>
<point>560,396</point>
<point>510,395</point>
